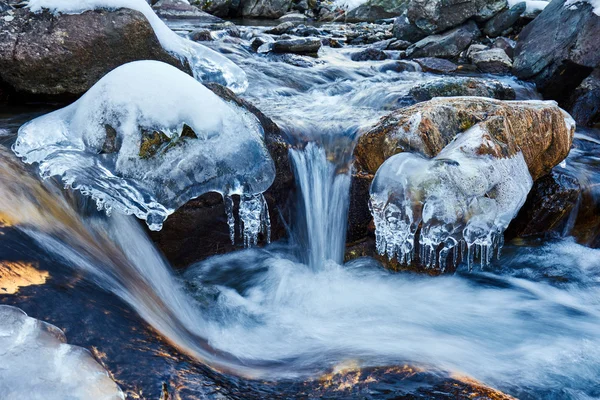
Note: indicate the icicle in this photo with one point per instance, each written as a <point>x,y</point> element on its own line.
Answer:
<point>228,201</point>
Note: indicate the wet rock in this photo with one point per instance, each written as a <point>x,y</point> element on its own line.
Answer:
<point>295,59</point>
<point>400,66</point>
<point>302,30</point>
<point>201,35</point>
<point>447,45</point>
<point>435,16</point>
<point>503,22</point>
<point>462,86</point>
<point>4,7</point>
<point>540,129</point>
<point>374,10</point>
<point>297,46</point>
<point>173,9</point>
<point>558,69</point>
<point>399,45</point>
<point>506,44</point>
<point>219,8</point>
<point>493,61</point>
<point>549,203</point>
<point>584,103</point>
<point>369,54</point>
<point>264,8</point>
<point>474,48</point>
<point>59,57</point>
<point>281,28</point>
<point>331,42</point>
<point>403,29</point>
<point>436,65</point>
<point>203,220</point>
<point>258,41</point>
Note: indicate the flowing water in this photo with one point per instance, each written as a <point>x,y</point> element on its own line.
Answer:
<point>285,317</point>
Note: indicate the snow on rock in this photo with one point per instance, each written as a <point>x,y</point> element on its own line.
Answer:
<point>37,363</point>
<point>206,64</point>
<point>451,207</point>
<point>533,7</point>
<point>146,139</point>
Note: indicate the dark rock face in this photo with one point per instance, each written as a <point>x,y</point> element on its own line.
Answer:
<point>400,66</point>
<point>559,49</point>
<point>436,65</point>
<point>446,45</point>
<point>404,30</point>
<point>374,10</point>
<point>549,203</point>
<point>297,46</point>
<point>264,8</point>
<point>369,54</point>
<point>43,56</point>
<point>199,228</point>
<point>503,22</point>
<point>435,16</point>
<point>219,8</point>
<point>462,86</point>
<point>584,103</point>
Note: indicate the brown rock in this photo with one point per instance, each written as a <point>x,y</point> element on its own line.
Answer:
<point>59,57</point>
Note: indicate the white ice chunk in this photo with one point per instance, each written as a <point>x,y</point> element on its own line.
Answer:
<point>532,7</point>
<point>457,204</point>
<point>228,154</point>
<point>37,363</point>
<point>206,64</point>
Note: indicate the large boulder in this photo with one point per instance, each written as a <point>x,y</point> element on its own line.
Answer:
<point>584,102</point>
<point>403,29</point>
<point>539,129</point>
<point>374,10</point>
<point>264,8</point>
<point>462,86</point>
<point>447,45</point>
<point>504,21</point>
<point>59,57</point>
<point>199,229</point>
<point>559,48</point>
<point>434,16</point>
<point>177,9</point>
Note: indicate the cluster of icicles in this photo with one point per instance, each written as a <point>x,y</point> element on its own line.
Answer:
<point>253,216</point>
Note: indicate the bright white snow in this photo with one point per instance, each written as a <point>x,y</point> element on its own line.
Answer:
<point>227,156</point>
<point>37,363</point>
<point>463,202</point>
<point>206,64</point>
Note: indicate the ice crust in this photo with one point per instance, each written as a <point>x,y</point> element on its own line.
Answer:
<point>206,64</point>
<point>452,207</point>
<point>37,363</point>
<point>228,154</point>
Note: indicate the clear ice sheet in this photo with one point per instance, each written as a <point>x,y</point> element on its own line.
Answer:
<point>452,207</point>
<point>37,363</point>
<point>228,154</point>
<point>206,64</point>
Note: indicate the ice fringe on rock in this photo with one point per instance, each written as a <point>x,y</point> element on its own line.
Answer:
<point>146,139</point>
<point>207,65</point>
<point>36,362</point>
<point>452,207</point>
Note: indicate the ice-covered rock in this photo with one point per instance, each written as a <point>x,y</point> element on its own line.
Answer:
<point>453,206</point>
<point>146,139</point>
<point>206,64</point>
<point>37,363</point>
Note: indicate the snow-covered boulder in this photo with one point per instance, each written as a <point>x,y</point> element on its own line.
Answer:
<point>146,149</point>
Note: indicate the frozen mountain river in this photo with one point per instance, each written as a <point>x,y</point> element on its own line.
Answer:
<point>492,313</point>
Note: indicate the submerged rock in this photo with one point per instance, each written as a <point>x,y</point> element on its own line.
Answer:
<point>436,65</point>
<point>435,16</point>
<point>369,54</point>
<point>462,86</point>
<point>447,45</point>
<point>59,57</point>
<point>559,48</point>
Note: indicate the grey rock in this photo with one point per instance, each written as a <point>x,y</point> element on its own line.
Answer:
<point>303,30</point>
<point>436,65</point>
<point>400,66</point>
<point>584,103</point>
<point>375,10</point>
<point>462,86</point>
<point>369,54</point>
<point>506,44</point>
<point>174,9</point>
<point>435,16</point>
<point>201,35</point>
<point>504,21</point>
<point>404,30</point>
<point>265,8</point>
<point>559,49</point>
<point>493,61</point>
<point>447,45</point>
<point>219,8</point>
<point>59,57</point>
<point>280,29</point>
<point>474,48</point>
<point>297,46</point>
<point>399,45</point>
<point>4,7</point>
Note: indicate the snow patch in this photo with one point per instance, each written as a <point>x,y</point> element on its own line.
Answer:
<point>146,139</point>
<point>572,5</point>
<point>206,64</point>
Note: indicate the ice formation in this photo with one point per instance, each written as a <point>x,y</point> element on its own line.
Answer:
<point>448,208</point>
<point>572,4</point>
<point>532,6</point>
<point>37,363</point>
<point>147,138</point>
<point>206,64</point>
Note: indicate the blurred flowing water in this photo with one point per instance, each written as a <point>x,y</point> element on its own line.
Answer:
<point>277,322</point>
